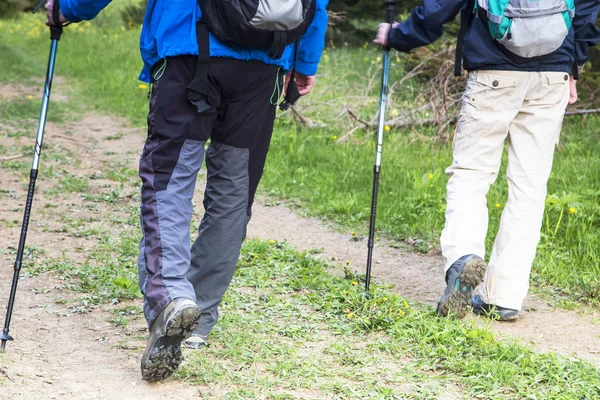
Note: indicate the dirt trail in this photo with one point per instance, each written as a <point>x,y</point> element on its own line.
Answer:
<point>59,353</point>
<point>65,355</point>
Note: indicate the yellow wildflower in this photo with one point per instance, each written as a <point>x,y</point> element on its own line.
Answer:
<point>354,283</point>
<point>385,299</point>
<point>572,210</point>
<point>30,97</point>
<point>394,112</point>
<point>271,241</point>
<point>350,315</point>
<point>430,176</point>
<point>497,205</point>
<point>334,137</point>
<point>142,86</point>
<point>387,128</point>
<point>401,313</point>
<point>405,304</point>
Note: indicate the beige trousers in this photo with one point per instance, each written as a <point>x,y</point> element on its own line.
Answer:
<point>528,109</point>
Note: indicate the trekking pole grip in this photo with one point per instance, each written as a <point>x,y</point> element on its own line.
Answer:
<point>390,10</point>
<point>56,30</point>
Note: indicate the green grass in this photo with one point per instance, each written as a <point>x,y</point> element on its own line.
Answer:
<point>289,328</point>
<point>329,179</point>
<point>333,181</point>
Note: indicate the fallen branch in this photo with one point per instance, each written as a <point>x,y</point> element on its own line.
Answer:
<point>5,373</point>
<point>583,112</point>
<point>402,124</point>
<point>356,118</point>
<point>305,122</point>
<point>12,157</point>
<point>65,137</point>
<point>336,17</point>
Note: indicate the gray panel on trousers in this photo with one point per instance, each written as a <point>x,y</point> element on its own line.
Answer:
<point>216,251</point>
<point>174,206</point>
<point>278,15</point>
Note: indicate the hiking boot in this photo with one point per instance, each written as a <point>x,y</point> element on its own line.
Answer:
<point>461,279</point>
<point>163,350</point>
<point>195,342</point>
<point>492,311</point>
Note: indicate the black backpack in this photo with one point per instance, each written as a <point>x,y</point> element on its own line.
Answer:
<point>268,25</point>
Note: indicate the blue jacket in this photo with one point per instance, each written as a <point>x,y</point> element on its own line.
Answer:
<point>425,25</point>
<point>170,30</point>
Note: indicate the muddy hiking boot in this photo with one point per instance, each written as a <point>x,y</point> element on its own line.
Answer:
<point>196,342</point>
<point>495,312</point>
<point>461,279</point>
<point>163,350</point>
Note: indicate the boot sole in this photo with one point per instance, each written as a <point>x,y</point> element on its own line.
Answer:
<point>166,356</point>
<point>457,297</point>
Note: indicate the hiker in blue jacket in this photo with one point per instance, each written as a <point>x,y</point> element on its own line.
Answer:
<point>228,95</point>
<point>522,57</point>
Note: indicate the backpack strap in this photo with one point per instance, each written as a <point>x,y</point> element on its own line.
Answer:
<point>278,45</point>
<point>198,89</point>
<point>575,71</point>
<point>464,26</point>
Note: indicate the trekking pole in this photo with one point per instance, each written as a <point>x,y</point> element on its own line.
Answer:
<point>55,34</point>
<point>390,7</point>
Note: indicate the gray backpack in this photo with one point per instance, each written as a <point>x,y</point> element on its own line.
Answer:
<point>528,29</point>
<point>258,24</point>
<point>524,30</point>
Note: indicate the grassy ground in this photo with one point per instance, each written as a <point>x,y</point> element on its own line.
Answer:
<point>333,180</point>
<point>290,329</point>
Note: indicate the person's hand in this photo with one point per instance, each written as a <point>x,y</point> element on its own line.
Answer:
<point>383,32</point>
<point>573,91</point>
<point>304,82</point>
<point>50,20</point>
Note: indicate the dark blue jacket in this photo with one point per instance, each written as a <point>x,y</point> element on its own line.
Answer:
<point>425,25</point>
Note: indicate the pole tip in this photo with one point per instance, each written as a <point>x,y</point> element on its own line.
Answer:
<point>4,337</point>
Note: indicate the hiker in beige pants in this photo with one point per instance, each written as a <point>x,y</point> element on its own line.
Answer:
<point>523,58</point>
<point>527,108</point>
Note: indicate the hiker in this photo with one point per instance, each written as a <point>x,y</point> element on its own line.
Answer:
<point>225,93</point>
<point>519,84</point>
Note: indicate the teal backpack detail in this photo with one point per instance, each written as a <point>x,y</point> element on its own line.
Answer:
<point>527,29</point>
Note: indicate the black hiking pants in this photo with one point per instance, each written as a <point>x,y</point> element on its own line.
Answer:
<point>239,126</point>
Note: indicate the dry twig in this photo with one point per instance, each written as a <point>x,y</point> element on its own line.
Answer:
<point>8,158</point>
